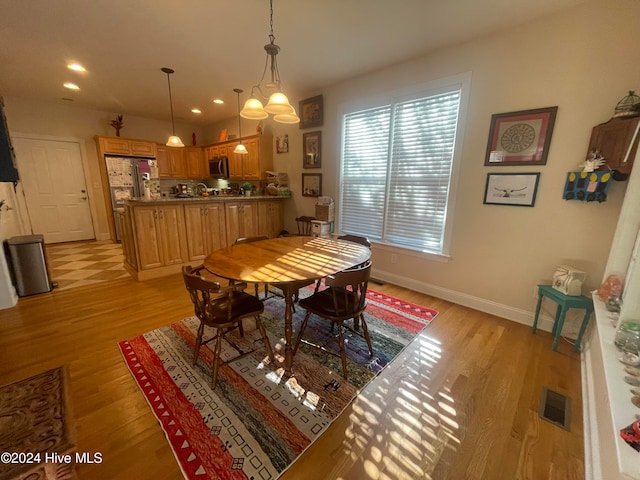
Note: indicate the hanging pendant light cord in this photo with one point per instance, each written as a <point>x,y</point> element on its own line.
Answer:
<point>239,91</point>
<point>173,126</point>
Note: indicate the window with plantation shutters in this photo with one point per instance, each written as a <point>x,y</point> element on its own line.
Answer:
<point>397,169</point>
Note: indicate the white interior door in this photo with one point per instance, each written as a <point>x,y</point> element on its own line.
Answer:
<point>55,191</point>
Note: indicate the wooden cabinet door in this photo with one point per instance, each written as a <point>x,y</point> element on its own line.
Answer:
<point>241,220</point>
<point>147,237</point>
<point>215,229</point>
<point>195,163</point>
<point>232,213</point>
<point>119,146</point>
<point>195,232</point>
<point>162,160</point>
<point>177,162</point>
<point>270,217</point>
<point>235,162</point>
<point>617,141</point>
<point>249,219</point>
<point>171,233</point>
<point>251,161</point>
<point>142,149</point>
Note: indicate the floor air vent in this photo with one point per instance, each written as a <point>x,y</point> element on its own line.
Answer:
<point>555,408</point>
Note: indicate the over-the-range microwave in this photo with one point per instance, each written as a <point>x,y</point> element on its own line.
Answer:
<point>219,167</point>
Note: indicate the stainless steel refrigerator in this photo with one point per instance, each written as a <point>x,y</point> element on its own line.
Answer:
<point>126,181</point>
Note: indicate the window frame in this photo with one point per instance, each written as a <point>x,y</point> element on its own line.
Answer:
<point>461,82</point>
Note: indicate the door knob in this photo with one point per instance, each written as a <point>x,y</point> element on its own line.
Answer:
<point>83,191</point>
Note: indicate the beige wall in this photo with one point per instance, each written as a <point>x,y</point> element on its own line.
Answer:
<point>580,60</point>
<point>65,121</point>
<point>583,60</point>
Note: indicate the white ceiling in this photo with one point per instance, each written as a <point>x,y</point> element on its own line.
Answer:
<point>215,46</point>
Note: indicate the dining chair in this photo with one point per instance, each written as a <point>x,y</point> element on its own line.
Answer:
<point>344,299</point>
<point>223,309</point>
<point>304,225</point>
<point>356,239</point>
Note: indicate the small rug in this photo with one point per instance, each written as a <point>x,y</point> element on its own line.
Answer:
<point>35,420</point>
<point>257,421</point>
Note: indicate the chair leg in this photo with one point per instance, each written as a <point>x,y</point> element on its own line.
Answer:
<point>302,329</point>
<point>265,339</point>
<point>365,330</point>
<point>216,359</point>
<point>196,349</point>
<point>343,351</point>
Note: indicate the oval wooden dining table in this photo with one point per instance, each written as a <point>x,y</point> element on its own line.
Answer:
<point>286,262</point>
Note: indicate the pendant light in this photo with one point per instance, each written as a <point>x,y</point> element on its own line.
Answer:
<point>240,148</point>
<point>174,140</point>
<point>278,104</point>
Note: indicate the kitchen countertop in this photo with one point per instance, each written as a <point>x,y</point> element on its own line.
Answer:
<point>213,198</point>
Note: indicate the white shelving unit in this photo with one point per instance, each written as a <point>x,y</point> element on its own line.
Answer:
<point>606,396</point>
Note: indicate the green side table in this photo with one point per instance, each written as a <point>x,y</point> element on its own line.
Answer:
<point>565,302</point>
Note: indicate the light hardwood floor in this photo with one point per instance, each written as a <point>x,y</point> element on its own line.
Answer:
<point>462,404</point>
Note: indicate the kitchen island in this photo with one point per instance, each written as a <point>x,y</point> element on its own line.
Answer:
<point>161,235</point>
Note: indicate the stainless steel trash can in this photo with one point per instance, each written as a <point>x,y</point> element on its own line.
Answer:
<point>28,264</point>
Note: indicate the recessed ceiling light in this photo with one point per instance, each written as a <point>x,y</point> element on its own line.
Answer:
<point>218,101</point>
<point>71,86</point>
<point>76,67</point>
<point>196,110</point>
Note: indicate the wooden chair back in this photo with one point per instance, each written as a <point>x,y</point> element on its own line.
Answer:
<point>349,290</point>
<point>304,225</point>
<point>356,239</point>
<point>211,302</point>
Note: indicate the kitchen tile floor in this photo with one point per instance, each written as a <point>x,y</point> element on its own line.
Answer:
<point>84,263</point>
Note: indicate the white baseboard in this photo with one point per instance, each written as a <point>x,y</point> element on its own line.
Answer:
<point>103,236</point>
<point>545,322</point>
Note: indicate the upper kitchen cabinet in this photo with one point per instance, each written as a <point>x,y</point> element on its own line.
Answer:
<point>617,142</point>
<point>197,164</point>
<point>253,165</point>
<point>124,146</point>
<point>171,162</point>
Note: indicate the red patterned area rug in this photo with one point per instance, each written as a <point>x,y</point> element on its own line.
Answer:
<point>256,422</point>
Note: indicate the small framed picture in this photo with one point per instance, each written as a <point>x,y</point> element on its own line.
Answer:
<point>520,138</point>
<point>311,184</point>
<point>282,143</point>
<point>517,189</point>
<point>311,149</point>
<point>311,112</point>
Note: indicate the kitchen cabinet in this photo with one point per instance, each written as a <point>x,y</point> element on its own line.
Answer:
<point>126,232</point>
<point>211,152</point>
<point>270,218</point>
<point>205,229</point>
<point>617,141</point>
<point>252,166</point>
<point>160,235</point>
<point>171,162</point>
<point>197,165</point>
<point>235,164</point>
<point>124,146</point>
<point>241,220</point>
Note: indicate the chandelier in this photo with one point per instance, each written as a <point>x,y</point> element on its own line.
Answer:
<point>174,140</point>
<point>278,104</point>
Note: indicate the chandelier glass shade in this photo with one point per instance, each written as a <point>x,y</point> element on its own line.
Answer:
<point>278,104</point>
<point>174,140</point>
